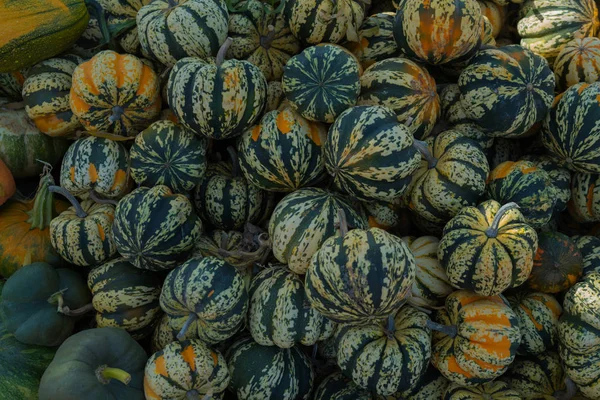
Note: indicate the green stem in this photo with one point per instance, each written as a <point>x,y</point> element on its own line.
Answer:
<point>105,374</point>
<point>94,196</point>
<point>223,51</point>
<point>423,148</point>
<point>42,212</point>
<point>235,163</point>
<point>78,210</point>
<point>78,312</point>
<point>492,231</point>
<point>449,330</point>
<point>191,319</point>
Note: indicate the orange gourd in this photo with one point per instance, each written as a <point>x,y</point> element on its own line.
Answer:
<point>7,183</point>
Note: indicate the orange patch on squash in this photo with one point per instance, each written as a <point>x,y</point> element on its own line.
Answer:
<point>582,88</point>
<point>148,391</point>
<point>528,170</point>
<point>285,122</point>
<point>78,105</point>
<point>188,356</point>
<point>47,123</point>
<point>500,346</point>
<point>484,365</point>
<point>88,76</point>
<point>93,173</point>
<point>492,319</point>
<point>210,293</point>
<point>72,173</point>
<point>529,313</point>
<point>457,369</point>
<point>364,43</point>
<point>101,232</point>
<point>215,358</point>
<point>120,69</point>
<point>145,78</point>
<point>502,170</point>
<point>256,133</point>
<point>120,179</point>
<point>374,224</point>
<point>590,199</point>
<point>160,367</point>
<point>314,133</point>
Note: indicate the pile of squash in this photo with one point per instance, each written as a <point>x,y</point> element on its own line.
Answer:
<point>299,199</point>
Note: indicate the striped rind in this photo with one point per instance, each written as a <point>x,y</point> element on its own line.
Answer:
<point>560,177</point>
<point>585,197</point>
<point>578,61</point>
<point>375,40</point>
<point>123,8</point>
<point>490,390</point>
<point>164,334</point>
<point>590,250</point>
<point>494,11</point>
<point>212,290</point>
<point>382,214</point>
<point>432,385</point>
<point>338,387</point>
<point>275,96</point>
<point>369,154</point>
<point>155,229</point>
<point>537,377</point>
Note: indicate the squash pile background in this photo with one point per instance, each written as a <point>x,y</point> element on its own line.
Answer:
<point>299,199</point>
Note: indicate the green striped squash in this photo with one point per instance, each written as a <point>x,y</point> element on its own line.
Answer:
<point>491,390</point>
<point>206,296</point>
<point>432,385</point>
<point>386,359</point>
<point>452,176</point>
<point>406,88</point>
<point>255,41</point>
<point>560,177</point>
<point>261,372</point>
<point>496,13</point>
<point>84,240</point>
<point>275,96</point>
<point>303,220</point>
<point>487,36</point>
<point>338,387</point>
<point>384,215</point>
<point>168,154</point>
<point>578,331</point>
<point>370,154</point>
<point>506,90</point>
<point>569,132</point>
<point>322,81</point>
<point>11,84</point>
<point>504,150</point>
<point>453,112</point>
<point>590,250</point>
<point>170,30</point>
<point>538,315</point>
<point>522,182</point>
<point>46,95</point>
<point>280,313</point>
<point>375,40</point>
<point>430,287</point>
<point>322,21</point>
<point>537,377</point>
<point>474,132</point>
<point>154,228</point>
<point>185,369</point>
<point>164,334</point>
<point>578,61</point>
<point>283,153</point>
<point>125,297</point>
<point>585,197</point>
<point>232,93</point>
<point>359,276</point>
<point>95,164</point>
<point>545,26</point>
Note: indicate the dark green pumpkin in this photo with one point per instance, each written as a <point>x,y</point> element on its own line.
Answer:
<point>590,251</point>
<point>537,377</point>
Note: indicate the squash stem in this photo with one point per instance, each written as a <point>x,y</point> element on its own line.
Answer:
<point>315,351</point>
<point>13,106</point>
<point>423,148</point>
<point>76,312</point>
<point>223,51</point>
<point>391,324</point>
<point>42,211</point>
<point>191,319</point>
<point>492,231</point>
<point>94,196</point>
<point>78,210</point>
<point>105,374</point>
<point>449,330</point>
<point>267,41</point>
<point>342,222</point>
<point>235,163</point>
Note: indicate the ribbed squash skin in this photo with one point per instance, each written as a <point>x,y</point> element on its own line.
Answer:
<point>506,90</point>
<point>249,30</point>
<point>431,385</point>
<point>527,185</point>
<point>537,377</point>
<point>455,33</point>
<point>578,333</point>
<point>233,96</point>
<point>545,26</point>
<point>430,287</point>
<point>585,197</point>
<point>46,95</point>
<point>483,264</point>
<point>558,263</point>
<point>382,214</point>
<point>490,390</point>
<point>169,219</point>
<point>210,289</point>
<point>265,379</point>
<point>403,86</point>
<point>338,387</point>
<point>275,96</point>
<point>175,29</point>
<point>559,176</point>
<point>363,276</point>
<point>185,367</point>
<point>369,154</point>
<point>590,251</point>
<point>34,30</point>
<point>383,361</point>
<point>280,313</point>
<point>487,340</point>
<point>283,152</point>
<point>167,154</point>
<point>164,334</point>
<point>303,220</point>
<point>115,93</point>
<point>538,315</point>
<point>375,40</point>
<point>320,21</point>
<point>98,164</point>
<point>84,241</point>
<point>578,61</point>
<point>322,81</point>
<point>495,13</point>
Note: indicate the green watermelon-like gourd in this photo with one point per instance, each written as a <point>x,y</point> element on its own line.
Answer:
<point>578,333</point>
<point>590,251</point>
<point>155,229</point>
<point>283,152</point>
<point>569,132</point>
<point>375,40</point>
<point>387,357</point>
<point>46,95</point>
<point>266,42</point>
<point>217,100</point>
<point>488,248</point>
<point>431,385</point>
<point>98,165</point>
<point>186,369</point>
<point>585,197</point>
<point>170,30</point>
<point>370,155</point>
<point>438,31</point>
<point>101,363</point>
<point>529,186</point>
<point>578,61</point>
<point>560,177</point>
<point>452,176</point>
<point>40,304</point>
<point>280,313</point>
<point>125,297</point>
<point>506,90</point>
<point>261,372</point>
<point>360,275</point>
<point>206,296</point>
<point>303,220</point>
<point>405,87</point>
<point>322,81</point>
<point>168,154</point>
<point>490,390</point>
<point>538,315</point>
<point>338,387</point>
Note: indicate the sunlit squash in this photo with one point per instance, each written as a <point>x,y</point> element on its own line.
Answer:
<point>578,61</point>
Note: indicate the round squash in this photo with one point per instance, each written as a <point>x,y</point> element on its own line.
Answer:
<point>495,13</point>
<point>8,187</point>
<point>375,40</point>
<point>560,177</point>
<point>590,251</point>
<point>578,61</point>
<point>585,197</point>
<point>485,391</point>
<point>432,385</point>
<point>383,215</point>
<point>337,387</point>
